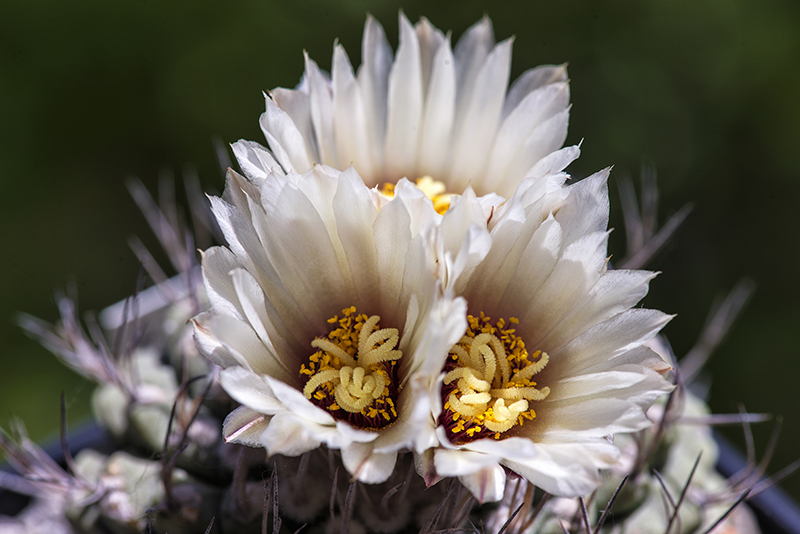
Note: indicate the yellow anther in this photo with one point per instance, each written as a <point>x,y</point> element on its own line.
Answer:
<point>433,189</point>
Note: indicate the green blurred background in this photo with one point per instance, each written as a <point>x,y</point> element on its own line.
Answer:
<point>93,92</point>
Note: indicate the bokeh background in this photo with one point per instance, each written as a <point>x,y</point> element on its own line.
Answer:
<point>708,91</point>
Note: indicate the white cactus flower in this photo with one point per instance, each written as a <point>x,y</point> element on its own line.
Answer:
<point>442,117</point>
<point>554,361</point>
<point>326,317</point>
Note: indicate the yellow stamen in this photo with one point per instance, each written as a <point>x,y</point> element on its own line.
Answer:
<point>349,370</point>
<point>490,380</point>
<point>433,189</point>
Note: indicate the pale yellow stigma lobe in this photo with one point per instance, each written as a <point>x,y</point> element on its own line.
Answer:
<point>491,372</point>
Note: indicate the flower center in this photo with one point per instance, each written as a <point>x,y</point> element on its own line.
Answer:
<point>353,374</point>
<point>487,382</point>
<point>434,190</point>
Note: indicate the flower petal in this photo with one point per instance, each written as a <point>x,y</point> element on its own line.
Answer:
<point>287,435</point>
<point>602,343</point>
<point>245,426</point>
<point>250,390</point>
<point>285,139</point>
<point>516,129</point>
<point>404,105</point>
<point>529,81</point>
<point>566,469</point>
<point>349,119</point>
<point>297,105</point>
<point>373,78</point>
<point>355,216</point>
<point>470,55</point>
<point>256,161</point>
<point>320,97</point>
<point>478,125</point>
<point>437,120</point>
<point>486,485</point>
<point>366,465</point>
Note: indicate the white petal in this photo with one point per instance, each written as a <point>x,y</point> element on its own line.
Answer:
<point>530,80</point>
<point>255,160</point>
<point>513,447</point>
<point>321,106</point>
<point>475,130</point>
<point>300,249</point>
<point>424,465</point>
<point>414,428</point>
<point>366,465</point>
<point>351,434</point>
<point>480,473</point>
<point>285,139</point>
<point>430,39</point>
<point>535,128</point>
<point>437,122</point>
<point>614,383</point>
<point>465,212</point>
<point>454,462</point>
<point>242,343</point>
<point>350,122</point>
<point>297,105</point>
<point>543,140</point>
<point>355,215</point>
<point>600,344</point>
<point>238,188</point>
<point>486,485</point>
<point>218,262</point>
<point>533,110</point>
<point>258,311</point>
<point>287,435</point>
<point>587,209</point>
<point>554,162</point>
<point>413,409</point>
<point>419,206</point>
<point>404,105</point>
<point>295,402</point>
<point>470,53</point>
<point>566,469</point>
<point>524,268</point>
<point>615,292</point>
<point>250,390</point>
<point>444,326</point>
<point>245,426</point>
<point>392,230</point>
<point>207,344</point>
<point>596,417</point>
<point>373,77</point>
<point>235,225</point>
<point>573,275</point>
<point>250,253</point>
